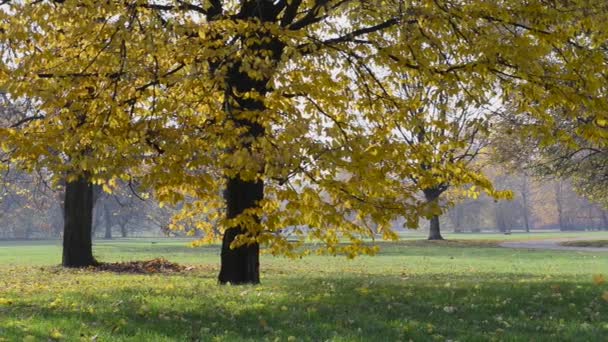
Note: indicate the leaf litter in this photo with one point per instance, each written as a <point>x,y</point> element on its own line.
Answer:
<point>154,266</point>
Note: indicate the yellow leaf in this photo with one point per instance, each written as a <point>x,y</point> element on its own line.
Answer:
<point>55,335</point>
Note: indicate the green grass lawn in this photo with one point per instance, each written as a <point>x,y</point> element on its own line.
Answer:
<point>468,290</point>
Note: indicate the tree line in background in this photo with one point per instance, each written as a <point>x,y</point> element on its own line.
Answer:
<point>537,205</point>
<point>327,118</point>
<point>30,209</point>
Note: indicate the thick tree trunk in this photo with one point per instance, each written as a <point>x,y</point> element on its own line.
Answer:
<point>123,230</point>
<point>240,265</point>
<point>78,221</point>
<point>432,195</point>
<point>434,231</point>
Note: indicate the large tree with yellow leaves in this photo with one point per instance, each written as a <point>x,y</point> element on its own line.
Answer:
<point>279,112</point>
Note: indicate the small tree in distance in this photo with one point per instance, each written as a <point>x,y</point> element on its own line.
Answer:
<point>450,137</point>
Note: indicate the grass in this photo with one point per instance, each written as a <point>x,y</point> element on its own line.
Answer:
<point>586,243</point>
<point>468,290</point>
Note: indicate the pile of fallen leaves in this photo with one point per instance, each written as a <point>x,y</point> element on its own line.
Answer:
<point>158,265</point>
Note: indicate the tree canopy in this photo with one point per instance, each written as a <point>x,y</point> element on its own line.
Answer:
<point>291,107</point>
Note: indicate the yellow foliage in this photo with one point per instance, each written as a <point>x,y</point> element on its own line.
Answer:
<point>306,98</point>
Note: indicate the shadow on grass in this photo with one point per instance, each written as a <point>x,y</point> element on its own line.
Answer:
<point>341,308</point>
<point>586,243</point>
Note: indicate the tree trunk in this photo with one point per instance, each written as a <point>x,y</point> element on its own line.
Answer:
<point>559,206</point>
<point>432,196</point>
<point>108,222</point>
<point>604,220</point>
<point>123,230</point>
<point>458,218</point>
<point>526,219</point>
<point>78,221</point>
<point>526,206</point>
<point>499,217</point>
<point>434,231</point>
<point>240,265</point>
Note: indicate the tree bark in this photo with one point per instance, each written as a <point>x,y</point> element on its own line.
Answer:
<point>432,195</point>
<point>241,265</point>
<point>559,206</point>
<point>78,221</point>
<point>434,230</point>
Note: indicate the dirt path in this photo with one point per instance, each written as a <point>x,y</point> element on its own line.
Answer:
<point>553,244</point>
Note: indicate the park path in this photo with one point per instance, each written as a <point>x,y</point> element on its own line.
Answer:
<point>552,244</point>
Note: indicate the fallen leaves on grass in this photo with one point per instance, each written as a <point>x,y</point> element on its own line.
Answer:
<point>599,279</point>
<point>158,265</point>
<point>56,335</point>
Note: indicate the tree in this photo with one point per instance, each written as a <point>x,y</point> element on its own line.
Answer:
<point>27,206</point>
<point>78,209</point>
<point>130,211</point>
<point>26,201</point>
<point>451,136</point>
<point>468,213</point>
<point>574,150</point>
<point>524,190</point>
<point>271,100</point>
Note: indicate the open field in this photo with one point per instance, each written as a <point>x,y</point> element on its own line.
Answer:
<point>468,290</point>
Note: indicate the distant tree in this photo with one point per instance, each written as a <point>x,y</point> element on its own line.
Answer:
<point>525,192</point>
<point>573,149</point>
<point>446,138</point>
